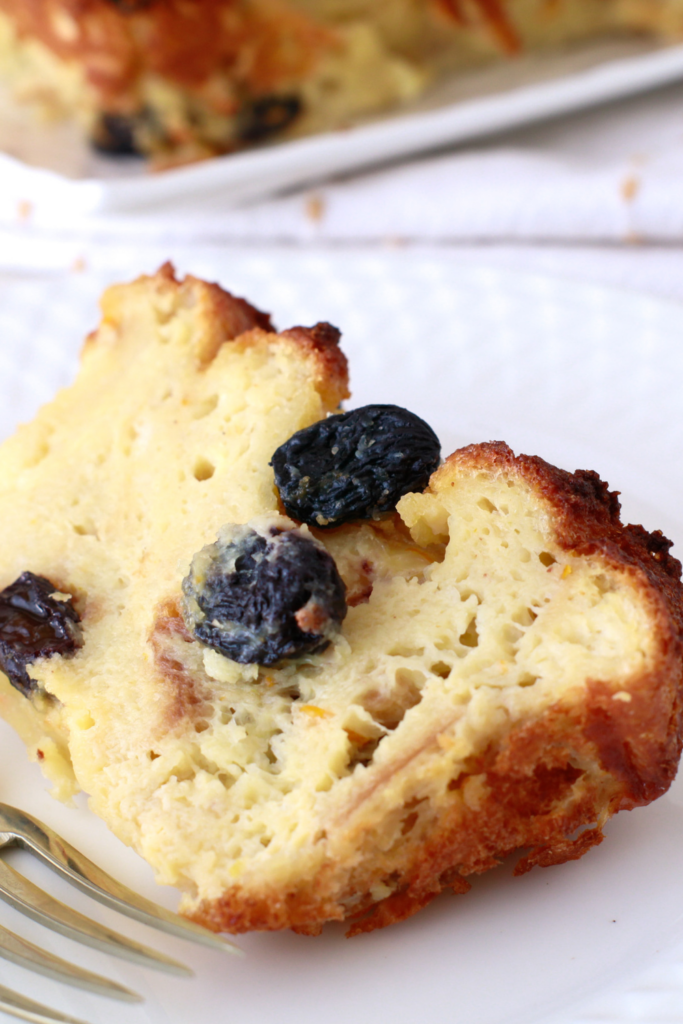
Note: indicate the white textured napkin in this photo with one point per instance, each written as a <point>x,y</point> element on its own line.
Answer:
<point>612,174</point>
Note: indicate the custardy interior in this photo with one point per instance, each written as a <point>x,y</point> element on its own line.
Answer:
<point>469,614</point>
<point>444,657</point>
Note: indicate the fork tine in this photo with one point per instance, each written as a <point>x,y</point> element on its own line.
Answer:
<point>24,953</point>
<point>16,826</point>
<point>26,897</point>
<point>26,1009</point>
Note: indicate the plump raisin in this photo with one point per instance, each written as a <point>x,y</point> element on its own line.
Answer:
<point>264,592</point>
<point>34,624</point>
<point>355,465</point>
<point>267,116</point>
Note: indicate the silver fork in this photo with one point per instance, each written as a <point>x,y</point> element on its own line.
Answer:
<point>20,829</point>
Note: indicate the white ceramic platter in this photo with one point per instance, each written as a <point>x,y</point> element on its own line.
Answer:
<point>585,377</point>
<point>50,168</point>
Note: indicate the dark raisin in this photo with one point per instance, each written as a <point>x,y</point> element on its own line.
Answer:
<point>34,624</point>
<point>264,592</point>
<point>116,134</point>
<point>355,465</point>
<point>267,116</point>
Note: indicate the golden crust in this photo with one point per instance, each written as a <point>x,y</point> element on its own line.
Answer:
<point>322,342</point>
<point>222,317</point>
<point>225,317</point>
<point>118,42</point>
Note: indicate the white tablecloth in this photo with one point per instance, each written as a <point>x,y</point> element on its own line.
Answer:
<point>612,174</point>
<point>598,195</point>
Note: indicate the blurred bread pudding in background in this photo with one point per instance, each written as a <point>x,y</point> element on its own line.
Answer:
<point>179,80</point>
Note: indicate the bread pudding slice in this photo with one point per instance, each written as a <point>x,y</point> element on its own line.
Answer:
<point>181,81</point>
<point>507,674</point>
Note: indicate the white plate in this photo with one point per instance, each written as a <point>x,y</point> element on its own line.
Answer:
<point>51,168</point>
<point>584,376</point>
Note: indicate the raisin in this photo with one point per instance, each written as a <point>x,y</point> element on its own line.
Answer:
<point>34,624</point>
<point>116,134</point>
<point>264,592</point>
<point>267,116</point>
<point>355,465</point>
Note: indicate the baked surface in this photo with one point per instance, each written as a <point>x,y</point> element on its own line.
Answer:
<point>181,81</point>
<point>508,675</point>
